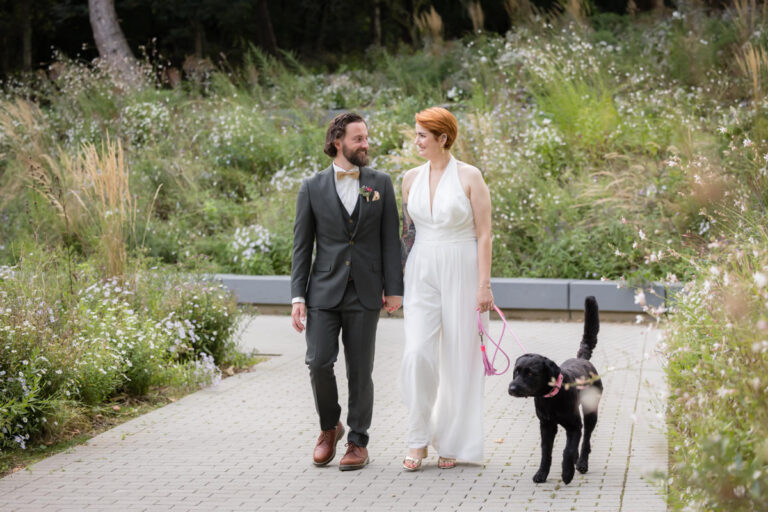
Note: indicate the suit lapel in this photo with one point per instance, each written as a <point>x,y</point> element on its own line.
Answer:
<point>331,196</point>
<point>366,180</point>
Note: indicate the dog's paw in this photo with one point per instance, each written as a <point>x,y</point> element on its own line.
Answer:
<point>567,473</point>
<point>582,466</point>
<point>540,476</point>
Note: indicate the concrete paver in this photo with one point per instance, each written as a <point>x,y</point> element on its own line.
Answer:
<point>246,444</point>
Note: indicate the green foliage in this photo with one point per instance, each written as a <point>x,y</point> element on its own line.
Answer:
<point>574,130</point>
<point>416,75</point>
<point>633,149</point>
<point>584,112</point>
<point>70,338</point>
<point>204,311</point>
<point>23,408</point>
<point>717,363</point>
<point>688,60</point>
<point>716,353</point>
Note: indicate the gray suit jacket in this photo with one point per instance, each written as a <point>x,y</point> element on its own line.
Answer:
<point>369,252</point>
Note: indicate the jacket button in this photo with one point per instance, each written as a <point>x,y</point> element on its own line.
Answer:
<point>351,242</point>
<point>347,263</point>
<point>351,221</point>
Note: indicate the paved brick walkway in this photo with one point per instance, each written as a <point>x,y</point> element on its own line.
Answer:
<point>246,444</point>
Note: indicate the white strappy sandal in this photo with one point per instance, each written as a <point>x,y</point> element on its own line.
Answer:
<point>446,463</point>
<point>414,463</point>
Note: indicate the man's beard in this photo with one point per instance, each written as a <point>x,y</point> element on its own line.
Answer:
<point>358,158</point>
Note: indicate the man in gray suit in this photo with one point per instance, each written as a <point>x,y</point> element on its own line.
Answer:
<point>347,213</point>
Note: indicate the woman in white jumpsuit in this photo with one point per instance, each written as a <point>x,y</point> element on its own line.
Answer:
<point>447,219</point>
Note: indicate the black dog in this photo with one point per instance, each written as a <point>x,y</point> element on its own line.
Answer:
<point>558,393</point>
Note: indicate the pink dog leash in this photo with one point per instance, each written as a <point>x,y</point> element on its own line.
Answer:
<point>489,364</point>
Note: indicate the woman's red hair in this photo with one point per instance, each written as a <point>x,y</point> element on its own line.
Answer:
<point>439,121</point>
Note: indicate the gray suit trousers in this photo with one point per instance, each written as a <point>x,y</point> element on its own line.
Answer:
<point>358,333</point>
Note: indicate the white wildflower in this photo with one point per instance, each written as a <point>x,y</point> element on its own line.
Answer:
<point>724,392</point>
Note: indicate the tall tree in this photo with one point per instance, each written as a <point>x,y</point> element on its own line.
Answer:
<point>110,41</point>
<point>264,23</point>
<point>5,40</point>
<point>377,22</point>
<point>25,15</point>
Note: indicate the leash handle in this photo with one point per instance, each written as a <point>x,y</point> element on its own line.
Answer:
<point>489,365</point>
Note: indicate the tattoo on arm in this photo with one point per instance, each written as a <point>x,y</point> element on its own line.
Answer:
<point>408,236</point>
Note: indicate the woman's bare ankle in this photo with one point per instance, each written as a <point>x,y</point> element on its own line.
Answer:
<point>418,453</point>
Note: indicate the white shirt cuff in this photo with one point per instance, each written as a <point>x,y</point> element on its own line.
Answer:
<point>297,299</point>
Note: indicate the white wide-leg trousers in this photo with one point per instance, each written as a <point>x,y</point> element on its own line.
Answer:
<point>442,373</point>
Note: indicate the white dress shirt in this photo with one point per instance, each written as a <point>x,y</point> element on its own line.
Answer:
<point>348,190</point>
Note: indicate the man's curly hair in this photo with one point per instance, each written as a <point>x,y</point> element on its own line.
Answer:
<point>337,129</point>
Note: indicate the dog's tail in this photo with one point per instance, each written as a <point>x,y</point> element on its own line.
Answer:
<point>591,328</point>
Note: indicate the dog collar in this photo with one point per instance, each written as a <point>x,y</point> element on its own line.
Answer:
<point>557,387</point>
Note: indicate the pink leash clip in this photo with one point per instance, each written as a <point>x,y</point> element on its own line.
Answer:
<point>489,364</point>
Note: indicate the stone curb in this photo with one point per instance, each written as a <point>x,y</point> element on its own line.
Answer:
<point>509,293</point>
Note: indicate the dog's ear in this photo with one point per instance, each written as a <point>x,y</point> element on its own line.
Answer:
<point>552,369</point>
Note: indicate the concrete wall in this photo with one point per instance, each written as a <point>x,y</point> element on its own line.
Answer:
<point>509,293</point>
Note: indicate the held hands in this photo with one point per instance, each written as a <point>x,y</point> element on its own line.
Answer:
<point>392,303</point>
<point>484,298</point>
<point>299,310</point>
<point>299,316</point>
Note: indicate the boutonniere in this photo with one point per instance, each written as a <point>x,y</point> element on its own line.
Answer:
<point>369,194</point>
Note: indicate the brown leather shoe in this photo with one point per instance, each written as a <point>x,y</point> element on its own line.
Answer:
<point>355,458</point>
<point>325,449</point>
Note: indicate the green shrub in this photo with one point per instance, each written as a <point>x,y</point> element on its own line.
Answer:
<point>23,404</point>
<point>717,362</point>
<point>213,317</point>
<point>70,338</point>
<point>584,112</point>
<point>196,316</point>
<point>550,110</point>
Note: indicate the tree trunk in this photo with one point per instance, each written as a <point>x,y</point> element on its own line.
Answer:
<point>403,13</point>
<point>266,34</point>
<point>199,33</point>
<point>5,60</point>
<point>377,22</point>
<point>110,41</point>
<point>320,41</point>
<point>26,36</point>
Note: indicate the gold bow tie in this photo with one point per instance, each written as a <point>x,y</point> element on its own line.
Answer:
<point>347,174</point>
